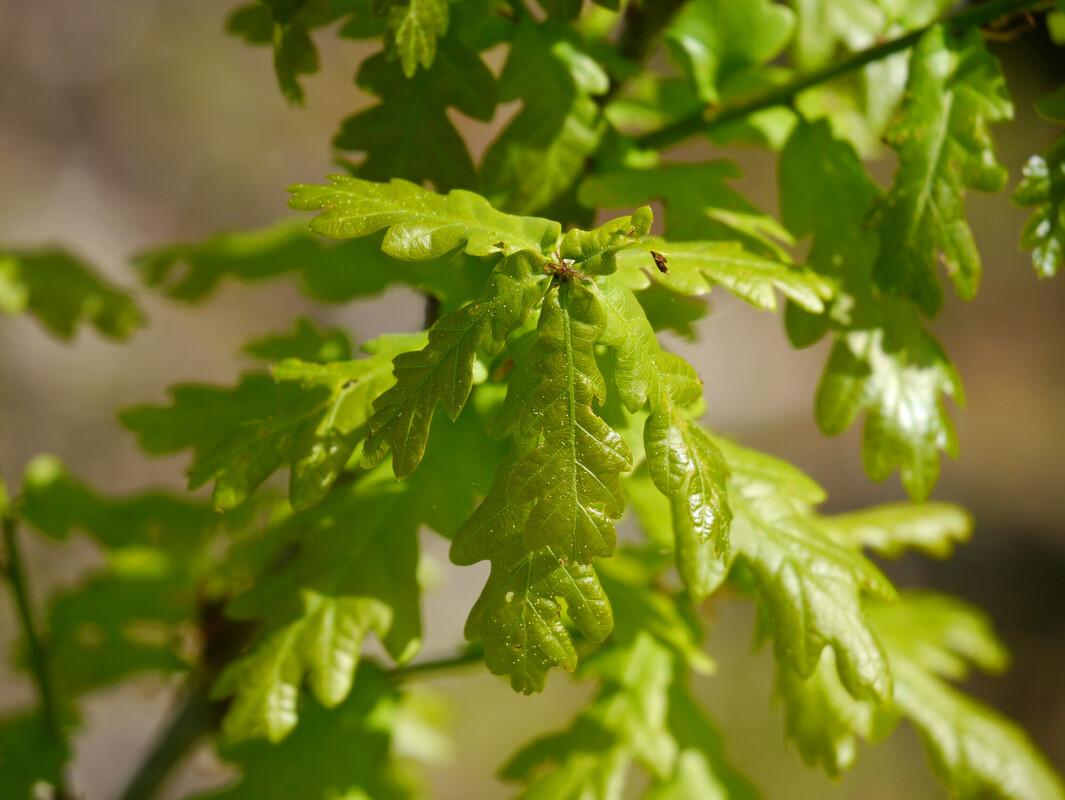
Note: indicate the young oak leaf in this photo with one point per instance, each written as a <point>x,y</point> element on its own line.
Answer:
<point>693,268</point>
<point>929,528</point>
<point>309,416</point>
<point>420,224</point>
<point>346,751</point>
<point>442,371</point>
<point>883,363</point>
<point>427,146</point>
<point>809,588</point>
<point>552,505</point>
<point>823,719</point>
<point>518,615</point>
<point>343,570</point>
<point>63,293</point>
<point>976,752</point>
<point>943,140</point>
<point>1043,190</point>
<point>571,460</point>
<point>542,152</point>
<point>414,27</point>
<point>698,200</point>
<point>683,462</point>
<point>329,271</point>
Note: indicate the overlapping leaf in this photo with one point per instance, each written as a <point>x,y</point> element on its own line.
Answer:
<point>542,152</point>
<point>286,25</point>
<point>693,268</point>
<point>1043,190</point>
<point>683,462</point>
<point>809,587</point>
<point>419,224</point>
<point>943,140</point>
<point>341,571</point>
<point>414,27</point>
<point>442,371</point>
<point>347,751</point>
<point>409,134</point>
<point>64,293</point>
<point>306,342</point>
<point>308,416</point>
<point>519,613</point>
<point>330,271</point>
<point>724,49</point>
<point>973,750</point>
<point>642,714</point>
<point>883,362</point>
<point>698,200</point>
<point>553,505</point>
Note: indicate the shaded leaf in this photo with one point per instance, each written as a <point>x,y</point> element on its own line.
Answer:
<point>409,133</point>
<point>542,152</point>
<point>63,293</point>
<point>308,416</point>
<point>442,371</point>
<point>307,342</point>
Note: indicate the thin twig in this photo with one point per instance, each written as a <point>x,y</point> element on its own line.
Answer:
<point>469,655</point>
<point>785,94</point>
<point>16,573</point>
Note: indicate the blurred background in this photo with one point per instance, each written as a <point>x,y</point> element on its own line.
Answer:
<point>124,125</point>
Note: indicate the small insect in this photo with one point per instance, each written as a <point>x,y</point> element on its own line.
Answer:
<point>660,261</point>
<point>562,268</point>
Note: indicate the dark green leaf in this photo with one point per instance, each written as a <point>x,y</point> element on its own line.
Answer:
<point>409,133</point>
<point>543,150</point>
<point>309,416</point>
<point>63,292</point>
<point>442,371</point>
<point>307,342</point>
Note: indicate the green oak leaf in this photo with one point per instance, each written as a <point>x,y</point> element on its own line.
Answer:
<point>809,587</point>
<point>63,293</point>
<point>286,25</point>
<point>346,751</point>
<point>943,140</point>
<point>306,342</point>
<point>442,372</point>
<point>1043,190</point>
<point>308,416</point>
<point>341,571</point>
<point>541,153</point>
<point>569,459</point>
<point>893,528</point>
<point>699,202</point>
<point>716,41</point>
<point>553,503</point>
<point>518,615</point>
<point>333,272</point>
<point>409,133</point>
<point>898,375</point>
<point>975,751</point>
<point>694,268</point>
<point>683,462</point>
<point>419,224</point>
<point>883,362</point>
<point>414,27</point>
